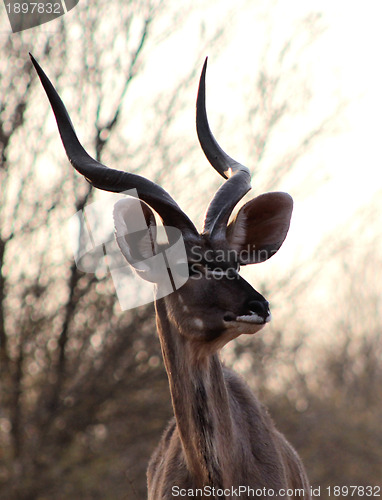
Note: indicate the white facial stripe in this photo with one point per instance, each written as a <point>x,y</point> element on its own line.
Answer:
<point>198,323</point>
<point>216,273</point>
<point>219,272</point>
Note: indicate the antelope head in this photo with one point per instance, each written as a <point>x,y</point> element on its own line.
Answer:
<point>215,304</point>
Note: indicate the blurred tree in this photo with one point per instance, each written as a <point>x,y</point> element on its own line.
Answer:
<point>324,389</point>
<point>84,395</point>
<point>76,377</point>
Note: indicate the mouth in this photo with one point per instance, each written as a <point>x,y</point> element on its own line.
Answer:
<point>251,317</point>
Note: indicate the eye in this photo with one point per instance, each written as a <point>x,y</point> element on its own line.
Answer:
<point>217,272</point>
<point>232,272</point>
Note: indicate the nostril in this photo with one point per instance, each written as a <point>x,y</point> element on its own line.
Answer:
<point>260,307</point>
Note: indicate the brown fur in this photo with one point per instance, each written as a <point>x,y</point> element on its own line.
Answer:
<point>221,435</point>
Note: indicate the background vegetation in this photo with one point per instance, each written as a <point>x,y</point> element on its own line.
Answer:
<point>84,394</point>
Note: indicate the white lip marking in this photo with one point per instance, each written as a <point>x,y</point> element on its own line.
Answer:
<point>253,318</point>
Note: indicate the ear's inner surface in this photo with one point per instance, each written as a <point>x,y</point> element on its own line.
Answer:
<point>138,238</point>
<point>260,227</point>
<point>135,229</point>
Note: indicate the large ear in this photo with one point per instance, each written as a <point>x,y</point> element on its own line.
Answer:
<point>136,231</point>
<point>260,227</point>
<point>164,264</point>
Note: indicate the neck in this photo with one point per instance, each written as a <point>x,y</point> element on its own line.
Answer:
<point>200,402</point>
